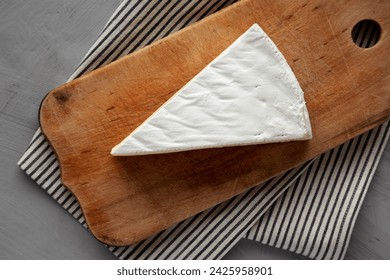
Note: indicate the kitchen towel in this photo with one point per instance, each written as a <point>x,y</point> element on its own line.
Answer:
<point>309,210</point>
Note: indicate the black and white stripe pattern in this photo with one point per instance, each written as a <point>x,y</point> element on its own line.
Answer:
<point>309,210</point>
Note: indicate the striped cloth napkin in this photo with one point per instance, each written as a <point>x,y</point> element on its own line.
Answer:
<point>309,210</point>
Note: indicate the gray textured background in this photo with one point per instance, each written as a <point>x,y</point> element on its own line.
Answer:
<point>41,43</point>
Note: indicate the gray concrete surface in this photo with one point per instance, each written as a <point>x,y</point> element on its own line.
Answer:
<point>41,43</point>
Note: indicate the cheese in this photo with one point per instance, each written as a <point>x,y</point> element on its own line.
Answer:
<point>247,95</point>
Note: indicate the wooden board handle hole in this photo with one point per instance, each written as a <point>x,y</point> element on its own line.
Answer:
<point>366,33</point>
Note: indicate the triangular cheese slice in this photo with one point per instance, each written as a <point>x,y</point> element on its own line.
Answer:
<point>247,95</point>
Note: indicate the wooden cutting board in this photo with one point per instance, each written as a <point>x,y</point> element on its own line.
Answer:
<point>127,199</point>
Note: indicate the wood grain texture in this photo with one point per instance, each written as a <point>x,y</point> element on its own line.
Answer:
<point>127,199</point>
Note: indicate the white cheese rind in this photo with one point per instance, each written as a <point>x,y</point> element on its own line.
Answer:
<point>247,95</point>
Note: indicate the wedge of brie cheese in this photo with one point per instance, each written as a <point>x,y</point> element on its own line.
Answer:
<point>247,95</point>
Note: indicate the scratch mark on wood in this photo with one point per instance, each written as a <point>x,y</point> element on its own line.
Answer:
<point>64,134</point>
<point>338,46</point>
<point>234,185</point>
